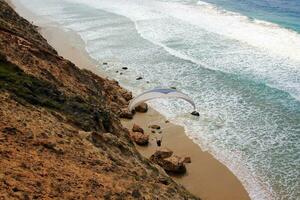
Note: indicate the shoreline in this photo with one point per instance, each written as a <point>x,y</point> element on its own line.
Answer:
<point>206,177</point>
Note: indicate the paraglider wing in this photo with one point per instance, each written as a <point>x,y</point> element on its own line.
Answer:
<point>159,93</point>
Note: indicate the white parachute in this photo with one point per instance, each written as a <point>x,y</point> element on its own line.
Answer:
<point>159,93</point>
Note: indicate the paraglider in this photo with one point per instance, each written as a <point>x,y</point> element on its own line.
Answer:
<point>159,93</point>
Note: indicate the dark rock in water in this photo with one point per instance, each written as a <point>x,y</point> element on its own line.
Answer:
<point>195,113</point>
<point>143,107</point>
<point>105,63</point>
<point>117,71</point>
<point>174,88</point>
<point>139,78</point>
<point>121,73</point>
<point>147,82</point>
<point>125,68</point>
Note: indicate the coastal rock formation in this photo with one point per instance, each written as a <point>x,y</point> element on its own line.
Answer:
<point>142,108</point>
<point>169,162</point>
<point>140,138</point>
<point>60,133</point>
<point>137,128</point>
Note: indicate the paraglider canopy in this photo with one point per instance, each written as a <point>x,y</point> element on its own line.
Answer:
<point>159,93</point>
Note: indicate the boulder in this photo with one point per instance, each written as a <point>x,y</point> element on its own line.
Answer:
<point>140,138</point>
<point>139,78</point>
<point>143,107</point>
<point>161,154</point>
<point>157,127</point>
<point>125,113</point>
<point>124,68</point>
<point>173,164</point>
<point>169,162</point>
<point>137,128</point>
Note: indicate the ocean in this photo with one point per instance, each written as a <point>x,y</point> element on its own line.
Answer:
<point>238,60</point>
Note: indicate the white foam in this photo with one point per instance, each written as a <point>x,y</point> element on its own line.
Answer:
<point>271,41</point>
<point>264,35</point>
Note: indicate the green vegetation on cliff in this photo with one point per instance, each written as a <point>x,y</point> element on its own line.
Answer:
<point>29,89</point>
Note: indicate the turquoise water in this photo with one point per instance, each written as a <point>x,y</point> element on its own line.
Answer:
<point>285,13</point>
<point>243,73</point>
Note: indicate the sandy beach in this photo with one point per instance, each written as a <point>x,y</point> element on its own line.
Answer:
<point>206,177</point>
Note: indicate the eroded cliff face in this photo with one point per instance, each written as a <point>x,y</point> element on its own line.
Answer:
<point>60,134</point>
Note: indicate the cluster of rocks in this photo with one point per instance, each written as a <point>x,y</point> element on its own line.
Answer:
<point>163,157</point>
<point>169,162</point>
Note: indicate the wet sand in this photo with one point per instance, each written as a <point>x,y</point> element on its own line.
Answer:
<point>206,177</point>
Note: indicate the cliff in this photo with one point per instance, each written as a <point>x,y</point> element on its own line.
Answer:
<point>60,133</point>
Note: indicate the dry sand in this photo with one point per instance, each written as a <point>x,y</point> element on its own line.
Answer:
<point>69,45</point>
<point>206,177</point>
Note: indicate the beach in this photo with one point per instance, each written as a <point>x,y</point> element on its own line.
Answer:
<point>238,60</point>
<point>206,177</point>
